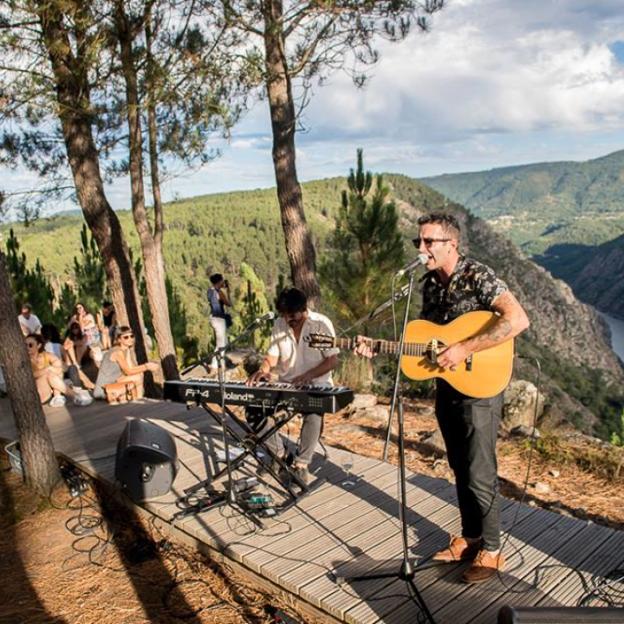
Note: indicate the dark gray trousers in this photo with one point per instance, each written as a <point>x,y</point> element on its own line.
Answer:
<point>311,429</point>
<point>469,428</point>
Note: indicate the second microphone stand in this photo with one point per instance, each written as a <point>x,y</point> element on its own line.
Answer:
<point>216,498</point>
<point>406,571</point>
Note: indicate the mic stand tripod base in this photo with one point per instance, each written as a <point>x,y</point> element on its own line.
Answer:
<point>406,571</point>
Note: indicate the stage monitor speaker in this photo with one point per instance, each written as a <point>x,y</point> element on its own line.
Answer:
<point>146,463</point>
<point>560,615</point>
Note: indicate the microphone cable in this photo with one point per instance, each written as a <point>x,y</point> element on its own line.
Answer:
<point>533,443</point>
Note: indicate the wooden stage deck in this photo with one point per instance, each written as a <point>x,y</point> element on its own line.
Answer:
<point>551,558</point>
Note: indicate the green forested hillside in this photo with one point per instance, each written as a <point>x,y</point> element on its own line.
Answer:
<point>545,204</point>
<point>240,234</point>
<point>565,215</point>
<point>203,235</point>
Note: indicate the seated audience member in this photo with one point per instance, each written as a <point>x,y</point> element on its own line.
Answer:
<point>109,323</point>
<point>52,340</point>
<point>118,367</point>
<point>78,357</point>
<point>89,329</point>
<point>48,373</point>
<point>29,322</point>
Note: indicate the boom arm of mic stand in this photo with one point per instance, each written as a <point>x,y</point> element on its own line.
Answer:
<point>221,351</point>
<point>388,303</point>
<point>382,307</point>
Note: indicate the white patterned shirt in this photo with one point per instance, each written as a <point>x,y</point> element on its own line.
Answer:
<point>296,358</point>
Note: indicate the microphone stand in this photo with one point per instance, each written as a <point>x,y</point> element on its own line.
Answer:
<point>382,307</point>
<point>219,355</point>
<point>406,572</point>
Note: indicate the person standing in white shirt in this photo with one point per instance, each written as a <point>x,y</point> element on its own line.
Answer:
<point>29,322</point>
<point>295,362</point>
<point>218,298</point>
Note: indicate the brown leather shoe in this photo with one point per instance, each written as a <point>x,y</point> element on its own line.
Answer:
<point>459,549</point>
<point>484,567</point>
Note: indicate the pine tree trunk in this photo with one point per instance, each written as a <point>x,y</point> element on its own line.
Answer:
<point>75,114</point>
<point>299,245</point>
<point>151,246</point>
<point>38,457</point>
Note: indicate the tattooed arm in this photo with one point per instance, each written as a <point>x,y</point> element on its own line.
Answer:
<point>512,320</point>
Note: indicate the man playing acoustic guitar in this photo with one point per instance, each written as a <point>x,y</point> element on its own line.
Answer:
<point>453,286</point>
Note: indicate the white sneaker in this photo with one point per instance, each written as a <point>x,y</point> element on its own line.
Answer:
<point>83,398</point>
<point>57,401</point>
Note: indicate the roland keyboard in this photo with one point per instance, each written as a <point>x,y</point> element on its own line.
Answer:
<point>303,399</point>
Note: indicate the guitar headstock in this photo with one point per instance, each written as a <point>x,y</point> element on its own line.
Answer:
<point>321,341</point>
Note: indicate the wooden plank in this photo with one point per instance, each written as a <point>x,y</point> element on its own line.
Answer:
<point>362,535</point>
<point>345,527</point>
<point>429,580</point>
<point>228,534</point>
<point>602,560</point>
<point>525,551</point>
<point>550,578</point>
<point>238,545</point>
<point>319,496</point>
<point>324,532</point>
<point>386,556</point>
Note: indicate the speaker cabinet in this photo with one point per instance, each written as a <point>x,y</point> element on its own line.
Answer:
<point>146,463</point>
<point>560,615</point>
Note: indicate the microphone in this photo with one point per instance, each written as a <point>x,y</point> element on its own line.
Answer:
<point>269,316</point>
<point>420,260</point>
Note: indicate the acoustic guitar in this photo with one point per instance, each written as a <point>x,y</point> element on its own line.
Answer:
<point>484,374</point>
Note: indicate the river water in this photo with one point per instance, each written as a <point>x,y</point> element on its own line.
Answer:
<point>617,333</point>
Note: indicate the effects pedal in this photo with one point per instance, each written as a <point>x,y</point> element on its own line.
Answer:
<point>260,504</point>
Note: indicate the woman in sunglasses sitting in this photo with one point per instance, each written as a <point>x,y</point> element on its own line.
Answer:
<point>119,379</point>
<point>48,373</point>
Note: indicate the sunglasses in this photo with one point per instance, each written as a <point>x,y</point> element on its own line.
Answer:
<point>429,241</point>
<point>128,336</point>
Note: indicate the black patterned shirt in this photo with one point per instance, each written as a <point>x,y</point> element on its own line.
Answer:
<point>473,286</point>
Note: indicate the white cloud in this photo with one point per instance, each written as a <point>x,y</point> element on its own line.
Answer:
<point>486,67</point>
<point>495,82</point>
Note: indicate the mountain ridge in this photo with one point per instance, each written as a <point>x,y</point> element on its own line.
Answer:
<point>226,232</point>
<point>567,215</point>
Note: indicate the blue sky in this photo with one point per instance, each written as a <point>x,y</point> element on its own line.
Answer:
<point>495,83</point>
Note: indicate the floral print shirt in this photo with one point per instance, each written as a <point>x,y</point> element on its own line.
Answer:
<point>473,286</point>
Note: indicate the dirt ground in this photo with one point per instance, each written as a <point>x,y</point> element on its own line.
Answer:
<point>571,490</point>
<point>65,561</point>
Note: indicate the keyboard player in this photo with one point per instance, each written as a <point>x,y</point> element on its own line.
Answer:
<point>293,361</point>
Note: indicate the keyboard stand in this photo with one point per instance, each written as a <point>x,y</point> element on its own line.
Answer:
<point>255,446</point>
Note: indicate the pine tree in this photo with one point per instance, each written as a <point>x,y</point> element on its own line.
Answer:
<point>39,460</point>
<point>89,272</point>
<point>187,347</point>
<point>67,301</point>
<point>249,305</point>
<point>28,285</point>
<point>366,247</point>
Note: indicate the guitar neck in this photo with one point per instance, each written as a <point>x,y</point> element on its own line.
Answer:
<point>383,346</point>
